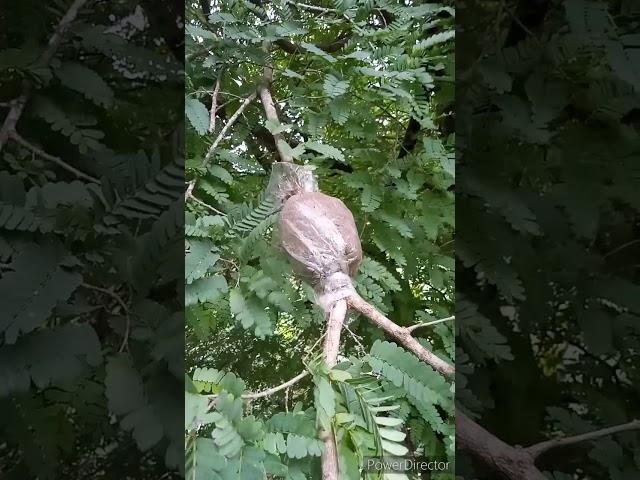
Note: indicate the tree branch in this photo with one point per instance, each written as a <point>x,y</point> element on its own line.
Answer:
<point>198,53</point>
<point>401,334</point>
<point>510,462</point>
<point>513,463</point>
<point>312,8</point>
<point>427,324</point>
<point>12,118</point>
<point>331,47</point>
<point>205,5</point>
<point>334,327</point>
<point>270,108</point>
<point>330,469</point>
<point>191,185</point>
<point>516,463</point>
<point>226,128</point>
<point>204,204</point>
<point>214,105</point>
<point>539,448</point>
<point>271,391</point>
<point>57,160</point>
<point>189,191</point>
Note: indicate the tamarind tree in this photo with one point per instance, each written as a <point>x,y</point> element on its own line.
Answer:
<point>547,247</point>
<point>91,209</point>
<point>362,93</point>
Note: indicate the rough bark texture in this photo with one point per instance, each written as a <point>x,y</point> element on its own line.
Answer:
<point>510,462</point>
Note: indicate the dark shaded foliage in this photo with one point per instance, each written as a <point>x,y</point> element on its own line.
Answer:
<point>548,214</point>
<point>91,216</point>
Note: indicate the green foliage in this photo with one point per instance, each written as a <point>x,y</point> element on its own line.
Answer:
<point>91,212</point>
<point>547,259</point>
<point>363,92</point>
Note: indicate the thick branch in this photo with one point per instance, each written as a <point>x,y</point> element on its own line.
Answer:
<point>189,191</point>
<point>330,469</point>
<point>270,110</point>
<point>334,327</point>
<point>515,463</point>
<point>61,29</point>
<point>10,121</point>
<point>17,108</point>
<point>205,6</point>
<point>510,462</point>
<point>401,334</point>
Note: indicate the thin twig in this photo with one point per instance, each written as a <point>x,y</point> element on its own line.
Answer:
<point>312,8</point>
<point>52,158</point>
<point>356,339</point>
<point>226,128</point>
<point>427,324</point>
<point>191,185</point>
<point>315,344</point>
<point>621,247</point>
<point>214,105</point>
<point>542,447</point>
<point>271,391</point>
<point>206,205</point>
<point>125,341</point>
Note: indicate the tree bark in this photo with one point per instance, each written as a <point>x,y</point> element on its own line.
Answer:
<point>330,467</point>
<point>401,334</point>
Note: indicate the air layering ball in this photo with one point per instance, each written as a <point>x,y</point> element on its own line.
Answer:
<point>320,235</point>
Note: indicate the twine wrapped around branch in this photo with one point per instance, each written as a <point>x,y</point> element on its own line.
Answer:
<point>318,233</point>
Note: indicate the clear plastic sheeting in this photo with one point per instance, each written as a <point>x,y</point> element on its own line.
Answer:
<point>318,233</point>
<point>289,179</point>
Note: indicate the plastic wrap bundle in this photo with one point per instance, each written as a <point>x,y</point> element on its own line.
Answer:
<point>318,233</point>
